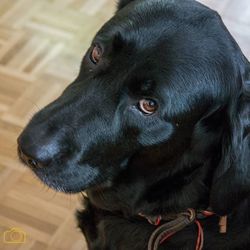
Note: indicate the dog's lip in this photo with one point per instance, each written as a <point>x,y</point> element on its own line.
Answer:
<point>67,181</point>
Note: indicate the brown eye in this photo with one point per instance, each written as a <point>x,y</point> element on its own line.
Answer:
<point>96,54</point>
<point>148,106</point>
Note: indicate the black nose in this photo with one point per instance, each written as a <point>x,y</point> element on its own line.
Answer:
<point>36,149</point>
<point>28,159</point>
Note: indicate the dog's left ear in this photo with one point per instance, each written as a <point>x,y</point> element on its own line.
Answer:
<point>231,183</point>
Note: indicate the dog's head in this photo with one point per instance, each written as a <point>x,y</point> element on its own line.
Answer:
<point>162,90</point>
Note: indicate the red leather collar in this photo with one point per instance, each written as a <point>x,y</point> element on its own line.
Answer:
<point>170,224</point>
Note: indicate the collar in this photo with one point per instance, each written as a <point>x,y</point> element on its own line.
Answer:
<point>169,224</point>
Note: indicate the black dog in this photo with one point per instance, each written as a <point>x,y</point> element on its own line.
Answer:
<point>157,122</point>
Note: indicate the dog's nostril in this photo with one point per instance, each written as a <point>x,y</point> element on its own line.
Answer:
<point>39,152</point>
<point>32,163</point>
<point>28,160</point>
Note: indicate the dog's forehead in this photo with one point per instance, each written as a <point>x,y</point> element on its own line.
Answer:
<point>167,30</point>
<point>151,19</point>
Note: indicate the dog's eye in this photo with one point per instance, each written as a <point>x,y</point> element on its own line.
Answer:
<point>148,106</point>
<point>96,54</point>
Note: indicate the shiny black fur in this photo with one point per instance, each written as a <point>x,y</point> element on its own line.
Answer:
<point>193,152</point>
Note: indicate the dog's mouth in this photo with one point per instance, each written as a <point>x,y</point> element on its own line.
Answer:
<point>69,176</point>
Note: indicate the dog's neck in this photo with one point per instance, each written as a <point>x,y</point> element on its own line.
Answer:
<point>170,193</point>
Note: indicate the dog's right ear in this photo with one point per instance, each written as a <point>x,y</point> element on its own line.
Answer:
<point>123,3</point>
<point>231,181</point>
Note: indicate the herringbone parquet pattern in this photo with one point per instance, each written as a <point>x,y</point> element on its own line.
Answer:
<point>41,45</point>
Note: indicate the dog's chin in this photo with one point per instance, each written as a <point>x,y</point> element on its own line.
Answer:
<point>61,186</point>
<point>69,181</point>
<point>73,187</point>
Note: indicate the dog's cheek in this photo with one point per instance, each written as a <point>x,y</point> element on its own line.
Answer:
<point>155,135</point>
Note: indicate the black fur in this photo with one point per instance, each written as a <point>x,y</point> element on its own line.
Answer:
<point>193,152</point>
<point>123,3</point>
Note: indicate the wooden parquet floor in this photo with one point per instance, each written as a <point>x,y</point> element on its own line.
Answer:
<point>41,45</point>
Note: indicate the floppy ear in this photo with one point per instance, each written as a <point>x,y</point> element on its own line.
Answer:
<point>231,183</point>
<point>123,3</point>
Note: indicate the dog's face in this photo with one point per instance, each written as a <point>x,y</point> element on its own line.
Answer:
<point>152,73</point>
